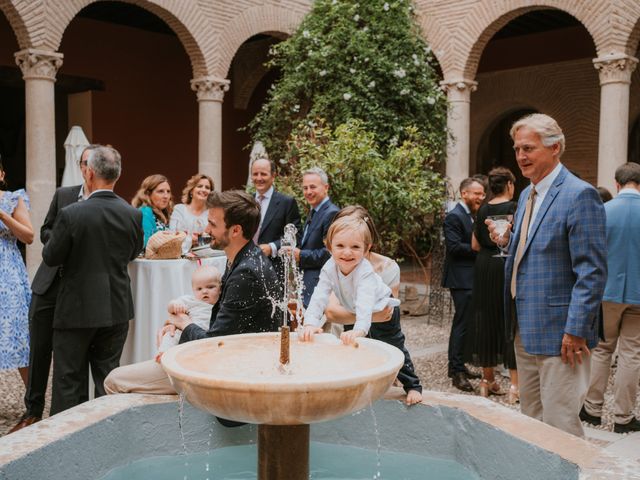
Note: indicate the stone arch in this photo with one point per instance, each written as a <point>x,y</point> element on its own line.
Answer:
<point>487,18</point>
<point>17,23</point>
<point>184,18</point>
<point>268,19</point>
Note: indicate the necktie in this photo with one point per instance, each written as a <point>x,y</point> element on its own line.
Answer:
<point>257,234</point>
<point>308,223</point>
<point>526,220</point>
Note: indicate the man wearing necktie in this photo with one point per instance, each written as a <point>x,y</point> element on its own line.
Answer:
<point>555,277</point>
<point>276,209</point>
<point>458,275</point>
<point>312,254</point>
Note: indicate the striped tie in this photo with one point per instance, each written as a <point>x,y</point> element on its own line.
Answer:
<point>531,201</point>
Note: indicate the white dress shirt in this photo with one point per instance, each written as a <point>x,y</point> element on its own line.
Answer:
<point>542,187</point>
<point>264,205</point>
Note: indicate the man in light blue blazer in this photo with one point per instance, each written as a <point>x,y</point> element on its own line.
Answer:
<point>621,308</point>
<point>554,277</point>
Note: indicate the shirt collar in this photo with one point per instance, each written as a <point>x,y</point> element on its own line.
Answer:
<point>81,193</point>
<point>629,190</point>
<point>100,190</point>
<point>465,206</point>
<point>544,185</point>
<point>325,200</point>
<point>267,194</point>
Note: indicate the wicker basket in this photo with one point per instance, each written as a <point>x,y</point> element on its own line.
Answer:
<point>165,245</point>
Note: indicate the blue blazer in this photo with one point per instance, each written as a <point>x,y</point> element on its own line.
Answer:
<point>623,242</point>
<point>313,253</point>
<point>459,260</point>
<point>563,270</point>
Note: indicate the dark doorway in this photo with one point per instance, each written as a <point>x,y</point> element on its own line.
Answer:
<point>634,142</point>
<point>496,148</point>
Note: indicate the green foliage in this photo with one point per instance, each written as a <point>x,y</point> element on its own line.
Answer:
<point>356,60</point>
<point>398,187</point>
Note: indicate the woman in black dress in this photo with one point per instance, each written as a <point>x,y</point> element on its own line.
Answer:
<point>486,336</point>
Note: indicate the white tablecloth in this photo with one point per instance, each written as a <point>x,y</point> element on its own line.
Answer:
<point>154,283</point>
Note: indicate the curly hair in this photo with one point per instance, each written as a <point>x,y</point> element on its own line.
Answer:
<point>142,196</point>
<point>191,184</point>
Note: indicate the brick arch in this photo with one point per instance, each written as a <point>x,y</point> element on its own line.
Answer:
<point>633,43</point>
<point>16,22</point>
<point>268,19</point>
<point>487,18</point>
<point>437,37</point>
<point>183,17</point>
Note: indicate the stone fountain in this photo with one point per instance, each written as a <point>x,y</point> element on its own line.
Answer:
<point>281,384</point>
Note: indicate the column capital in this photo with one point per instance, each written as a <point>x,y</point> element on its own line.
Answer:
<point>38,64</point>
<point>210,89</point>
<point>459,89</point>
<point>615,68</point>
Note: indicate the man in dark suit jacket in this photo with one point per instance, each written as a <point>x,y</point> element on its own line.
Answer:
<point>458,275</point>
<point>92,241</point>
<point>312,254</point>
<point>245,305</point>
<point>43,302</point>
<point>276,209</point>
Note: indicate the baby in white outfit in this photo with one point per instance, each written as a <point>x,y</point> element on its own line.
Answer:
<point>205,283</point>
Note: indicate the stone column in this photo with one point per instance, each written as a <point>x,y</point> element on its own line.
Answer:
<point>458,123</point>
<point>615,77</point>
<point>210,91</point>
<point>39,70</point>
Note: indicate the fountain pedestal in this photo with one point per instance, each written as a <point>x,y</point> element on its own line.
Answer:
<point>283,452</point>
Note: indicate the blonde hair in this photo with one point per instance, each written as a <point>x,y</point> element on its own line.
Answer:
<point>210,271</point>
<point>143,196</point>
<point>191,184</point>
<point>353,224</point>
<point>546,127</point>
<point>360,212</point>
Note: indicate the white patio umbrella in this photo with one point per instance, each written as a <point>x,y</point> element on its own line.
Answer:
<point>75,143</point>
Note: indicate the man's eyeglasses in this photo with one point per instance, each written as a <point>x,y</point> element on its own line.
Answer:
<point>82,163</point>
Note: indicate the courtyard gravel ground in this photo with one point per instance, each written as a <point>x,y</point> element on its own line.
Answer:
<point>426,340</point>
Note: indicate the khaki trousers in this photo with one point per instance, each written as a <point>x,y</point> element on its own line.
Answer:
<point>621,328</point>
<point>143,377</point>
<point>552,391</point>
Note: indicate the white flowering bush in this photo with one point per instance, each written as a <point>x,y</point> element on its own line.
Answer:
<point>356,60</point>
<point>359,96</point>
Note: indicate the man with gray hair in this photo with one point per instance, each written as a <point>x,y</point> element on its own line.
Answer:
<point>92,242</point>
<point>554,277</point>
<point>312,254</point>
<point>621,308</point>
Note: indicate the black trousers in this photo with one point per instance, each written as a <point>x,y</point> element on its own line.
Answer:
<point>74,350</point>
<point>391,333</point>
<point>462,304</point>
<point>41,313</point>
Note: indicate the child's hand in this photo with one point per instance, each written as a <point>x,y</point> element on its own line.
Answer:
<point>349,338</point>
<point>176,308</point>
<point>307,333</point>
<point>159,356</point>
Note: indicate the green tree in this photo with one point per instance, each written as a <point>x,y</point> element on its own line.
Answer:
<point>356,60</point>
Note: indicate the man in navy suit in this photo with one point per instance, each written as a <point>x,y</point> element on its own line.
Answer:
<point>313,254</point>
<point>276,209</point>
<point>458,275</point>
<point>621,307</point>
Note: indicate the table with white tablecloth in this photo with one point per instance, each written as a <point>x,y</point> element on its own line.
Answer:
<point>154,284</point>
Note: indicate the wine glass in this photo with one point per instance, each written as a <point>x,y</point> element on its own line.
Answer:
<point>501,223</point>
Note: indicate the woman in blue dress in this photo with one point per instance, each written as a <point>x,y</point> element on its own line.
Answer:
<point>155,201</point>
<point>15,292</point>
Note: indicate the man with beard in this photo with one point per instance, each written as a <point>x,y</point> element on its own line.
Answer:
<point>249,284</point>
<point>458,275</point>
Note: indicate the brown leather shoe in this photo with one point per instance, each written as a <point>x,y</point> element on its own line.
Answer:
<point>25,421</point>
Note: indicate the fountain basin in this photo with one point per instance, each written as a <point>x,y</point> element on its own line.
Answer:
<point>237,377</point>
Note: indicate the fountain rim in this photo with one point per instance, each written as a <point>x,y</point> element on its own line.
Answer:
<point>394,360</point>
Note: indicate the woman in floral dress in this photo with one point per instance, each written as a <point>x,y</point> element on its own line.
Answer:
<point>15,292</point>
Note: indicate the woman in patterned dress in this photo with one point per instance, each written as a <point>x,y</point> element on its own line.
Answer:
<point>155,201</point>
<point>15,292</point>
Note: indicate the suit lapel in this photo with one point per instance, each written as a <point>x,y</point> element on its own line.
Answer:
<point>271,210</point>
<point>546,204</point>
<point>316,221</point>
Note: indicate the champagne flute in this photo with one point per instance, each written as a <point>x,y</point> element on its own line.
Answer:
<point>501,223</point>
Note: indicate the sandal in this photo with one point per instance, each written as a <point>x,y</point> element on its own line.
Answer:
<point>514,395</point>
<point>487,388</point>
